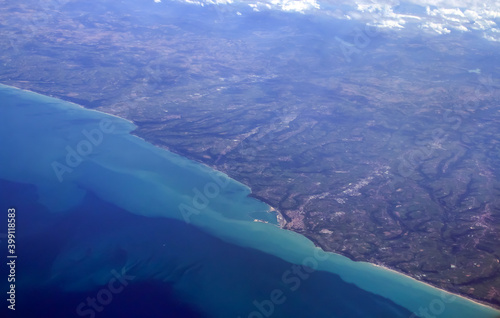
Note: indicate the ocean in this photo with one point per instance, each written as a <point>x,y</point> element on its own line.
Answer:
<point>108,225</point>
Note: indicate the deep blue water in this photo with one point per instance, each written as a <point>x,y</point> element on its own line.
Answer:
<point>232,276</point>
<point>111,227</point>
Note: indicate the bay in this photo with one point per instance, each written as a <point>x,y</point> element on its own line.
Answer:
<point>180,228</point>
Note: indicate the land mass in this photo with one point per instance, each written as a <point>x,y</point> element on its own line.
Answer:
<point>391,156</point>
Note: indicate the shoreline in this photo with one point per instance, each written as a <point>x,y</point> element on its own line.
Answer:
<point>271,208</point>
<point>394,271</point>
<point>69,102</point>
<point>135,135</point>
<point>476,301</point>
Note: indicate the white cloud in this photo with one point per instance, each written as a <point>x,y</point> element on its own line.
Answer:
<point>389,24</point>
<point>472,15</point>
<point>212,2</point>
<point>460,28</point>
<point>296,5</point>
<point>451,4</point>
<point>492,38</point>
<point>440,17</point>
<point>436,27</point>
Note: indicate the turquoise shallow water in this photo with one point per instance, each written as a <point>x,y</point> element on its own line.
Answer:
<point>118,192</point>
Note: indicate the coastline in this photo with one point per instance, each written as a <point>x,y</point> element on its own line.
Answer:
<point>395,271</point>
<point>260,199</point>
<point>282,223</point>
<point>476,301</point>
<point>66,101</point>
